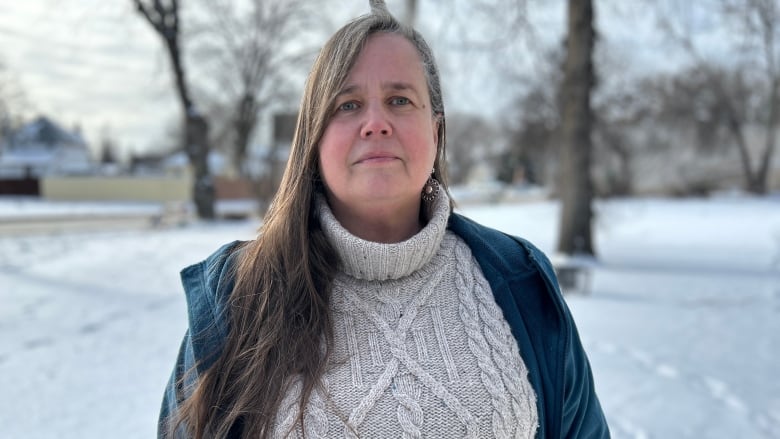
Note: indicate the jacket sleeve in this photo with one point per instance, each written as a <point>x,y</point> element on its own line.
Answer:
<point>181,379</point>
<point>582,415</point>
<point>543,327</point>
<point>207,285</point>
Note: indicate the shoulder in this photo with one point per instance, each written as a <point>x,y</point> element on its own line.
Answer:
<point>207,275</point>
<point>525,288</point>
<point>207,286</point>
<point>521,276</point>
<point>506,253</point>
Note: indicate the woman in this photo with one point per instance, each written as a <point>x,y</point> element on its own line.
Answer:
<point>365,308</point>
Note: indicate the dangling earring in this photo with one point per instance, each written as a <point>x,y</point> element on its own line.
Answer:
<point>430,190</point>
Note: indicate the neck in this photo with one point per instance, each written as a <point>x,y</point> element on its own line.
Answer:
<point>379,223</point>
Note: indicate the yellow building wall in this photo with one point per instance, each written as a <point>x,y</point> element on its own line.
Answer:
<point>153,189</point>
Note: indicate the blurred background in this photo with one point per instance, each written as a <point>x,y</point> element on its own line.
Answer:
<point>634,142</point>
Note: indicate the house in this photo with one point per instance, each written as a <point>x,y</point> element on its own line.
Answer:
<point>41,148</point>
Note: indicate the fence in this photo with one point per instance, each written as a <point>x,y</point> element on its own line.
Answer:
<point>153,188</point>
<point>24,186</point>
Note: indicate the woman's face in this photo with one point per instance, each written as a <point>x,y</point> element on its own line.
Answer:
<point>379,146</point>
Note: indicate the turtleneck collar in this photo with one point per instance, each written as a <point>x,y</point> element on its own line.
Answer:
<point>377,261</point>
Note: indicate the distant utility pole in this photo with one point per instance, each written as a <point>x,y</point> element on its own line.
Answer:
<point>576,187</point>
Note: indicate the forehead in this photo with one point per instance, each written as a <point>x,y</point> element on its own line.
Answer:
<point>387,56</point>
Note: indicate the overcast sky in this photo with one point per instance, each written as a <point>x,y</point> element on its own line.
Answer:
<point>88,62</point>
<point>96,64</point>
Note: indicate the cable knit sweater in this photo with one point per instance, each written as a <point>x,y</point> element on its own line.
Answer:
<point>421,349</point>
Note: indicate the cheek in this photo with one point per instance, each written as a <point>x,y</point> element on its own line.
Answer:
<point>428,151</point>
<point>333,139</point>
<point>331,156</point>
<point>325,159</point>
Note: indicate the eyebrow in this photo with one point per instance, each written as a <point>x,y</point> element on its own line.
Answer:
<point>395,86</point>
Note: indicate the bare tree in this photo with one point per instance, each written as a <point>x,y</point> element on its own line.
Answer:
<point>576,192</point>
<point>5,105</point>
<point>757,23</point>
<point>250,59</point>
<point>469,139</point>
<point>108,147</point>
<point>13,101</point>
<point>617,173</point>
<point>532,136</point>
<point>760,19</point>
<point>620,114</point>
<point>163,17</point>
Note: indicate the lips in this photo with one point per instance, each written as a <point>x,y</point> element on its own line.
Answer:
<point>376,157</point>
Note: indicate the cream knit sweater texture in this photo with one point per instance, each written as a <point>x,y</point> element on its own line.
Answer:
<point>421,349</point>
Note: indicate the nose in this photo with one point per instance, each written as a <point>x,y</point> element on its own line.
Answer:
<point>376,122</point>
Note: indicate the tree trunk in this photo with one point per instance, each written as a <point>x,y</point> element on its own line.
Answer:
<point>735,127</point>
<point>769,13</point>
<point>196,138</point>
<point>762,176</point>
<point>576,187</point>
<point>165,21</point>
<point>244,124</point>
<point>196,141</point>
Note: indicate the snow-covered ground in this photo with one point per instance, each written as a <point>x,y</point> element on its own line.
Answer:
<point>681,325</point>
<point>22,208</point>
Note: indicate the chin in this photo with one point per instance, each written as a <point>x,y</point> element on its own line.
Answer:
<point>381,195</point>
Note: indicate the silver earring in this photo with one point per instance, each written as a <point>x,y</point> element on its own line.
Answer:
<point>430,190</point>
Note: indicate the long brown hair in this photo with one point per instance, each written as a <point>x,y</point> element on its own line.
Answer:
<point>280,322</point>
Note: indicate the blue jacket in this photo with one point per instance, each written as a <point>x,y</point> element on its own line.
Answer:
<point>525,288</point>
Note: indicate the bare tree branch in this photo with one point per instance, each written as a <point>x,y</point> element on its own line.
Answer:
<point>250,49</point>
<point>755,21</point>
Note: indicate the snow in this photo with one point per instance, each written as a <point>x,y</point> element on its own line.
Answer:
<point>681,325</point>
<point>19,208</point>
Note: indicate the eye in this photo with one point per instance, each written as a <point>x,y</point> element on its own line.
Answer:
<point>400,100</point>
<point>348,106</point>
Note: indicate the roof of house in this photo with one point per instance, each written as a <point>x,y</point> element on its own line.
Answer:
<point>43,132</point>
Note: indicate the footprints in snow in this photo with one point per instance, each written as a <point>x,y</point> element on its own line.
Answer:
<point>89,328</point>
<point>710,386</point>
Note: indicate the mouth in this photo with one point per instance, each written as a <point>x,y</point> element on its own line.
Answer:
<point>378,158</point>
